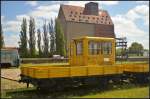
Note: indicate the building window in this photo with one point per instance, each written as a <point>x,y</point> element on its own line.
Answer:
<point>70,15</point>
<point>86,20</point>
<point>79,48</point>
<point>72,19</point>
<point>88,17</point>
<point>71,12</point>
<point>93,18</point>
<point>76,13</point>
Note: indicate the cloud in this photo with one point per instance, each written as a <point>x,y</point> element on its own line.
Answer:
<point>11,40</point>
<point>2,18</point>
<point>20,17</point>
<point>139,12</point>
<point>82,3</point>
<point>12,26</point>
<point>126,26</point>
<point>32,3</point>
<point>45,12</point>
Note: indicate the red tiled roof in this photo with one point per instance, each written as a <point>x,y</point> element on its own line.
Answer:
<point>9,48</point>
<point>75,14</point>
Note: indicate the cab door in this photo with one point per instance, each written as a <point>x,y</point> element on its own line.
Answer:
<point>106,52</point>
<point>94,53</point>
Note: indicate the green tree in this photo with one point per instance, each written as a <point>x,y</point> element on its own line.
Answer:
<point>23,39</point>
<point>136,48</point>
<point>32,39</point>
<point>39,42</point>
<point>52,37</point>
<point>1,38</point>
<point>45,40</point>
<point>60,41</point>
<point>120,51</point>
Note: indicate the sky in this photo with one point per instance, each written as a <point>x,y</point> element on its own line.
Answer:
<point>130,18</point>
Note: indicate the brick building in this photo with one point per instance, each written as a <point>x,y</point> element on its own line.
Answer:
<point>79,21</point>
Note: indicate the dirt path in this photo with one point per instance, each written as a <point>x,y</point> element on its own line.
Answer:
<point>8,84</point>
<point>11,74</point>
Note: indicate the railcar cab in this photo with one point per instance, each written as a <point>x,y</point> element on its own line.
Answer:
<point>92,51</point>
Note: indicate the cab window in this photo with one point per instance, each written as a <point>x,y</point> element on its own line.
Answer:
<point>94,48</point>
<point>79,48</point>
<point>106,48</point>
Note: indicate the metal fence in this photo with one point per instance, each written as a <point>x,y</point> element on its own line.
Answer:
<point>65,60</point>
<point>44,60</point>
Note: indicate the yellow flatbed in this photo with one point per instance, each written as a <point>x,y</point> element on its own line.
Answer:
<point>75,71</point>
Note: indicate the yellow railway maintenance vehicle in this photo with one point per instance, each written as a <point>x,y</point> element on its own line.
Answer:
<point>91,61</point>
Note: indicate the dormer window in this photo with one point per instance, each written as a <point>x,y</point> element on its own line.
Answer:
<point>86,20</point>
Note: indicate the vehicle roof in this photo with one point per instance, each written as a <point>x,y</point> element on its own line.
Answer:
<point>5,49</point>
<point>93,38</point>
<point>9,48</point>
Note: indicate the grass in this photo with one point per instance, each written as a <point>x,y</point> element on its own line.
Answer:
<point>120,91</point>
<point>10,86</point>
<point>126,62</point>
<point>125,93</point>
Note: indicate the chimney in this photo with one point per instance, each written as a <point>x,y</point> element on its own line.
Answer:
<point>91,8</point>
